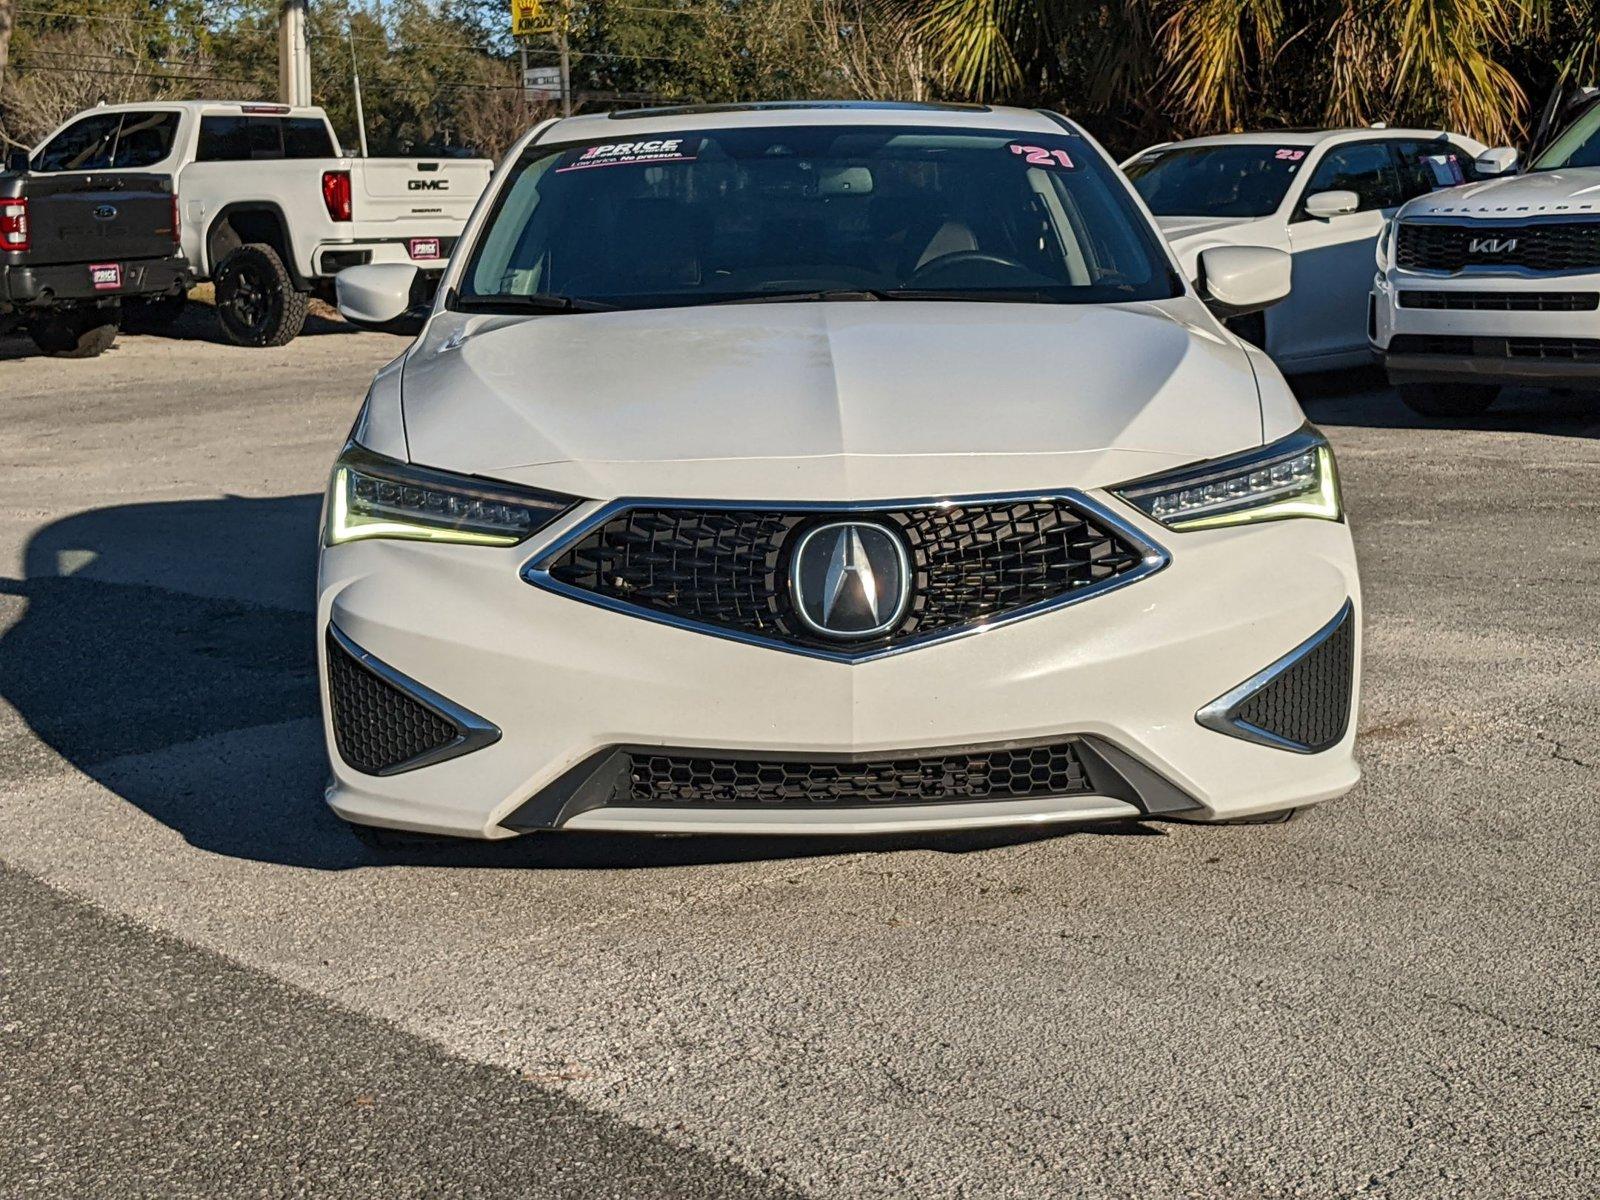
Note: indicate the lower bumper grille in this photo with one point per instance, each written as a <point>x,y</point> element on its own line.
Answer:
<point>1053,770</point>
<point>1544,349</point>
<point>1302,701</point>
<point>674,779</point>
<point>384,723</point>
<point>1500,301</point>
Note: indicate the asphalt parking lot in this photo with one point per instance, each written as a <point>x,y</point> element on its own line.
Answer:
<point>207,987</point>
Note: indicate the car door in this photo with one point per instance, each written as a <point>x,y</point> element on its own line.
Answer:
<point>1325,315</point>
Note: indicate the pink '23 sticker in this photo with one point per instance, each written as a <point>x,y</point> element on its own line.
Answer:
<point>1290,155</point>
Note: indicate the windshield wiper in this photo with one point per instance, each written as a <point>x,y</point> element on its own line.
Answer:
<point>991,295</point>
<point>536,302</point>
<point>803,297</point>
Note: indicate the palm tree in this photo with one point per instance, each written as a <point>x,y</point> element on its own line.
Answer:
<point>1210,65</point>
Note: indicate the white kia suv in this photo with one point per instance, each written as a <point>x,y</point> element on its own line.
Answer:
<point>1496,283</point>
<point>802,468</point>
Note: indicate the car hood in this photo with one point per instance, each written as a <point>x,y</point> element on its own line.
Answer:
<point>1566,192</point>
<point>828,401</point>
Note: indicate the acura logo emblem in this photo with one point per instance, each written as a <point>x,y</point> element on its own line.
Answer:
<point>850,579</point>
<point>1491,245</point>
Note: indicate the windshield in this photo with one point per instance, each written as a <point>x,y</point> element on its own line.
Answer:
<point>848,211</point>
<point>1578,146</point>
<point>1228,180</point>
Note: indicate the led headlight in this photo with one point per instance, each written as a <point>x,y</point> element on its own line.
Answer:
<point>1385,240</point>
<point>1294,477</point>
<point>371,496</point>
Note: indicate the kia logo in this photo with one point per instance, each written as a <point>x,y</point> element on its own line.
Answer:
<point>1491,245</point>
<point>428,185</point>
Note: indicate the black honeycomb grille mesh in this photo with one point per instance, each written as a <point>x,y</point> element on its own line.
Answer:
<point>378,727</point>
<point>1545,246</point>
<point>1004,774</point>
<point>1309,704</point>
<point>729,568</point>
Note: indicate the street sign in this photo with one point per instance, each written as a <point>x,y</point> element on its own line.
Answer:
<point>542,83</point>
<point>525,20</point>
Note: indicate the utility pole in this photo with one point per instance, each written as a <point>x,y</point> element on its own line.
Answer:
<point>566,62</point>
<point>294,55</point>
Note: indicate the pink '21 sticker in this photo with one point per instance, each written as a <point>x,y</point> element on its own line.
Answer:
<point>1038,156</point>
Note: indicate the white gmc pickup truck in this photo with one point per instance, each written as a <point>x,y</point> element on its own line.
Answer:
<point>271,209</point>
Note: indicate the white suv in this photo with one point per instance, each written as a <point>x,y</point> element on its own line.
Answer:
<point>1496,283</point>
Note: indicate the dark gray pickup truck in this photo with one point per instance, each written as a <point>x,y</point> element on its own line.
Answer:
<point>74,246</point>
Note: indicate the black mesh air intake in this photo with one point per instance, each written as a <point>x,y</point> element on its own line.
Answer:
<point>378,727</point>
<point>984,774</point>
<point>1308,703</point>
<point>728,568</point>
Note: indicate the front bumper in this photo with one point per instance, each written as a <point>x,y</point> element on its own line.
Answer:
<point>25,286</point>
<point>1505,346</point>
<point>563,682</point>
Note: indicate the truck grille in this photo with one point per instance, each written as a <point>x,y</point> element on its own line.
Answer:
<point>1545,246</point>
<point>727,569</point>
<point>1003,774</point>
<point>1501,301</point>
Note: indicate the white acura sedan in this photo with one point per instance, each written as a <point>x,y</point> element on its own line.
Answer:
<point>804,468</point>
<point>1322,196</point>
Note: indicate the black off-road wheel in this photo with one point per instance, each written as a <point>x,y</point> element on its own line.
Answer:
<point>76,332</point>
<point>155,314</point>
<point>1448,399</point>
<point>256,300</point>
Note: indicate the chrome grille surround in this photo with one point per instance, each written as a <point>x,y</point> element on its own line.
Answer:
<point>1150,558</point>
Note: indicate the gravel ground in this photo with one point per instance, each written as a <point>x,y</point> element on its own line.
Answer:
<point>1392,995</point>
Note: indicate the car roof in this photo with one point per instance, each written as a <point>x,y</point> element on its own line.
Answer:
<point>265,108</point>
<point>634,122</point>
<point>1308,138</point>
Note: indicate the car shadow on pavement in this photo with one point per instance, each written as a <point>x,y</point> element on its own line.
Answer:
<point>167,651</point>
<point>1363,397</point>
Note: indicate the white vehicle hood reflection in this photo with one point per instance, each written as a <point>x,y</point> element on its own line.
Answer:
<point>852,400</point>
<point>1568,191</point>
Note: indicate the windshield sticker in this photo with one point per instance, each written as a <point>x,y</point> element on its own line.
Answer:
<point>1038,156</point>
<point>1289,154</point>
<point>617,154</point>
<point>1446,170</point>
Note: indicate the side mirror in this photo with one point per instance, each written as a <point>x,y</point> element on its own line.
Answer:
<point>375,295</point>
<point>1236,280</point>
<point>1323,205</point>
<point>17,160</point>
<point>1502,160</point>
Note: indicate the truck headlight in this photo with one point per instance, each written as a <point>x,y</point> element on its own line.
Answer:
<point>1292,477</point>
<point>373,496</point>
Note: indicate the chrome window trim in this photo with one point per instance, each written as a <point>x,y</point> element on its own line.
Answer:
<point>1154,557</point>
<point>1218,715</point>
<point>474,733</point>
